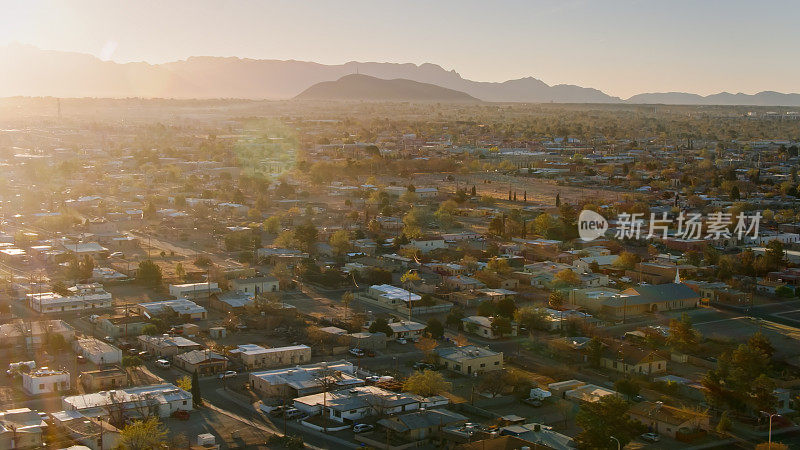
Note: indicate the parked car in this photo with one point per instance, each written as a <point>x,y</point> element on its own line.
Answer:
<point>423,366</point>
<point>535,402</point>
<point>357,352</point>
<point>117,255</point>
<point>651,437</point>
<point>227,374</point>
<point>402,341</point>
<point>81,359</point>
<point>163,363</point>
<point>293,413</point>
<point>362,427</point>
<point>277,411</point>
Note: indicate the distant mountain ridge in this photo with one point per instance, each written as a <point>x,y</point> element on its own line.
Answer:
<point>365,87</point>
<point>29,71</point>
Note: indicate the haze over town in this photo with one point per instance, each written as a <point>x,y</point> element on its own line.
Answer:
<point>398,225</point>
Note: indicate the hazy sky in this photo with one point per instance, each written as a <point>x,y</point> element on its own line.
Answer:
<point>622,47</point>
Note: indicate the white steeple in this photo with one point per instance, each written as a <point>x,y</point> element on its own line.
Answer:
<point>677,275</point>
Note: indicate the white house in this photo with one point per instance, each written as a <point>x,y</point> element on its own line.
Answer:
<point>45,381</point>
<point>350,405</point>
<point>428,245</point>
<point>97,351</point>
<point>84,297</point>
<point>256,285</point>
<point>159,400</point>
<point>194,290</point>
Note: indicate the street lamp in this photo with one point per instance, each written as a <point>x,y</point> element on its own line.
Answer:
<point>769,440</point>
<point>618,445</point>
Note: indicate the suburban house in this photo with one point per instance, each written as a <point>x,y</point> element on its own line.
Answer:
<point>462,283</point>
<point>256,285</point>
<point>388,296</point>
<point>482,326</point>
<point>193,291</point>
<point>182,307</point>
<point>97,351</point>
<point>406,329</point>
<point>350,405</point>
<point>428,245</point>
<point>231,302</point>
<point>121,325</point>
<point>630,359</point>
<point>256,357</point>
<point>470,359</point>
<point>23,336</point>
<point>97,380</point>
<point>160,400</point>
<point>298,381</point>
<point>423,424</point>
<point>21,428</point>
<point>166,345</point>
<point>204,362</point>
<point>667,420</point>
<point>45,381</point>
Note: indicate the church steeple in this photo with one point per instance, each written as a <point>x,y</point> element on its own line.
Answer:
<point>677,275</point>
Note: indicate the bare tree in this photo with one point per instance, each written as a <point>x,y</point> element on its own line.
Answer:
<point>327,378</point>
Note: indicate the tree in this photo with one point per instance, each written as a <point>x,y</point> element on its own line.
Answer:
<point>760,342</point>
<point>380,325</point>
<point>185,383</point>
<point>131,361</point>
<point>426,383</point>
<point>501,326</point>
<point>150,329</point>
<point>531,318</point>
<point>426,345</point>
<point>272,225</point>
<point>145,434</point>
<point>556,299</point>
<point>492,384</point>
<point>340,241</point>
<point>724,423</point>
<point>681,333</point>
<point>506,307</point>
<point>626,260</point>
<point>627,387</point>
<point>180,272</point>
<point>197,398</point>
<point>435,328</point>
<point>61,289</point>
<point>567,277</point>
<point>594,350</point>
<point>149,273</point>
<point>603,419</point>
<point>487,308</point>
<point>762,390</point>
<point>306,235</point>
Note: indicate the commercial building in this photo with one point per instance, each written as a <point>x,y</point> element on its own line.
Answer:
<point>186,309</point>
<point>470,359</point>
<point>84,297</point>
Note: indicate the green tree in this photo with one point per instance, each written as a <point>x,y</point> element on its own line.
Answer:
<point>149,273</point>
<point>197,398</point>
<point>681,333</point>
<point>150,329</point>
<point>185,383</point>
<point>426,383</point>
<point>506,307</point>
<point>759,341</point>
<point>603,419</point>
<point>131,361</point>
<point>435,328</point>
<point>628,387</point>
<point>380,325</point>
<point>340,241</point>
<point>532,318</point>
<point>626,260</point>
<point>180,272</point>
<point>147,434</point>
<point>501,326</point>
<point>594,350</point>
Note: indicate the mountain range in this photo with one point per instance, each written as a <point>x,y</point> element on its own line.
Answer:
<point>30,71</point>
<point>365,87</point>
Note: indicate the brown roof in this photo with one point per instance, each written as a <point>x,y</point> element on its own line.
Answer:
<point>663,413</point>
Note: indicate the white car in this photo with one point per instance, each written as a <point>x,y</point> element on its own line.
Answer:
<point>227,374</point>
<point>402,341</point>
<point>356,352</point>
<point>362,427</point>
<point>163,363</point>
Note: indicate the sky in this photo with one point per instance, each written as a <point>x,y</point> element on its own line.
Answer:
<point>622,47</point>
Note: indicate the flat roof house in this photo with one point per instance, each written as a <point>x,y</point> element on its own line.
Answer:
<point>298,381</point>
<point>84,297</point>
<point>406,329</point>
<point>96,380</point>
<point>256,285</point>
<point>257,357</point>
<point>470,359</point>
<point>166,345</point>
<point>204,362</point>
<point>350,405</point>
<point>184,308</point>
<point>45,381</point>
<point>97,351</point>
<point>159,399</point>
<point>21,428</point>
